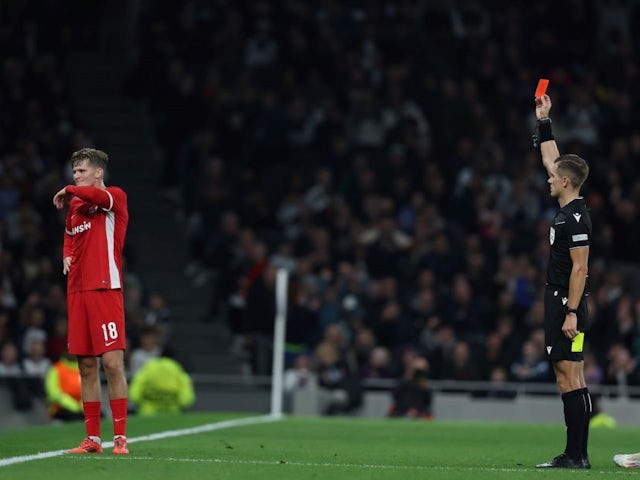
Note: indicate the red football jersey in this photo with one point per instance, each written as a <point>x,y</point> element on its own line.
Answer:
<point>95,230</point>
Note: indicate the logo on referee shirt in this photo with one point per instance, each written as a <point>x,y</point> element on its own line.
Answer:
<point>549,348</point>
<point>552,235</point>
<point>577,216</point>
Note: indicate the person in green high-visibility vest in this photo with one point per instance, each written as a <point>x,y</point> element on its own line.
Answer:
<point>161,386</point>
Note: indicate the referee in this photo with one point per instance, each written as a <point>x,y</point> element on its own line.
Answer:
<point>564,301</point>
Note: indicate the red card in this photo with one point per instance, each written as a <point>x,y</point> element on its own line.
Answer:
<point>541,89</point>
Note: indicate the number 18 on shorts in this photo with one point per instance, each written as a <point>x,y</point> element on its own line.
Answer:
<point>96,322</point>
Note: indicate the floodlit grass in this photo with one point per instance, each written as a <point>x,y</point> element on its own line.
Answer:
<point>311,448</point>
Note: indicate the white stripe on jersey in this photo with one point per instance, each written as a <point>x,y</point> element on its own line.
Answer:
<point>110,201</point>
<point>109,228</point>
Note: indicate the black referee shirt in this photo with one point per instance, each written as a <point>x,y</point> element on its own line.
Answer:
<point>571,228</point>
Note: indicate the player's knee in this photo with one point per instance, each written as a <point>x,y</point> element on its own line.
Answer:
<point>88,367</point>
<point>112,365</point>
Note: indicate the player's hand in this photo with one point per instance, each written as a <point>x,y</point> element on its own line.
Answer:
<point>66,265</point>
<point>60,198</point>
<point>543,107</point>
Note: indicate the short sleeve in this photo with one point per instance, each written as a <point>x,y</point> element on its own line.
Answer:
<point>578,231</point>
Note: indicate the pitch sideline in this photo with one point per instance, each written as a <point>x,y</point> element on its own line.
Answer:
<point>209,427</point>
<point>358,466</point>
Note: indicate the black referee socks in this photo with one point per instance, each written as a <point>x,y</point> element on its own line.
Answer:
<point>574,419</point>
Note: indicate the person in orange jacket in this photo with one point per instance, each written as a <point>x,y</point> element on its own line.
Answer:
<point>63,392</point>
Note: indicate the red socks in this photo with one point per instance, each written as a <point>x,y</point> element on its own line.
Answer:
<point>92,418</point>
<point>119,413</point>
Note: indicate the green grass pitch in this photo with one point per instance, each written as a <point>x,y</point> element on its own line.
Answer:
<point>309,448</point>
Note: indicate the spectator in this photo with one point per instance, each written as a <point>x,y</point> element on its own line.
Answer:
<point>412,396</point>
<point>300,375</point>
<point>379,364</point>
<point>36,363</point>
<point>593,373</point>
<point>335,377</point>
<point>623,370</point>
<point>461,365</point>
<point>11,371</point>
<point>35,327</point>
<point>10,361</point>
<point>497,388</point>
<point>57,341</point>
<point>158,314</point>
<point>62,387</point>
<point>150,347</point>
<point>531,366</point>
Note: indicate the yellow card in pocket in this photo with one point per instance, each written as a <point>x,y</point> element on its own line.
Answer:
<point>577,344</point>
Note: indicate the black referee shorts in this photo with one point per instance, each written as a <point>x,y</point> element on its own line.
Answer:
<point>557,346</point>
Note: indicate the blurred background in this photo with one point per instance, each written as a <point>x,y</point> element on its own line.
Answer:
<point>380,151</point>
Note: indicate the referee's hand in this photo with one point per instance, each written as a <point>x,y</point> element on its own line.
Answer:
<point>543,107</point>
<point>570,326</point>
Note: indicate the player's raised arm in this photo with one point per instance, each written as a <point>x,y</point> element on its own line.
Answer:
<point>548,146</point>
<point>61,198</point>
<point>93,195</point>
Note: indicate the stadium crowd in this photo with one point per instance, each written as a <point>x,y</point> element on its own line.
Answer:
<point>38,133</point>
<point>381,151</point>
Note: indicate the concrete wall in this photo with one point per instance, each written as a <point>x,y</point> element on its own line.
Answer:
<point>446,406</point>
<point>545,409</point>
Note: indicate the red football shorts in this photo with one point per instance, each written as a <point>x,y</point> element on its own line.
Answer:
<point>96,322</point>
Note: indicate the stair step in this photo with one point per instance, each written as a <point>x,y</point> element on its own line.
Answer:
<point>200,328</point>
<point>198,344</point>
<point>187,312</point>
<point>214,363</point>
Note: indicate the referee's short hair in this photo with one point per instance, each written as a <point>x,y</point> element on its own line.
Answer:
<point>574,167</point>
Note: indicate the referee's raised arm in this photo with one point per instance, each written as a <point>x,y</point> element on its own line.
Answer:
<point>548,147</point>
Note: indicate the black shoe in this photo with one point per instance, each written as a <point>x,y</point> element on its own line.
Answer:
<point>585,462</point>
<point>564,461</point>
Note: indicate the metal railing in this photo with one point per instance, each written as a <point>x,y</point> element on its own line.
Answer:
<point>448,386</point>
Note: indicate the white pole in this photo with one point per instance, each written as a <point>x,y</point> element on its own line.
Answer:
<point>278,342</point>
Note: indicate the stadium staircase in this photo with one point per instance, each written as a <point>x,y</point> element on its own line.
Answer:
<point>122,127</point>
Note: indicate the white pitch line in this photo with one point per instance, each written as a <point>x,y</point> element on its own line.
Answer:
<point>209,427</point>
<point>283,463</point>
<point>255,421</point>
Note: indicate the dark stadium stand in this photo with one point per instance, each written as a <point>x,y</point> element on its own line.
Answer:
<point>380,151</point>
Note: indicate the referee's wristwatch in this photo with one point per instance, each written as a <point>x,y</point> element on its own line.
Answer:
<point>571,310</point>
